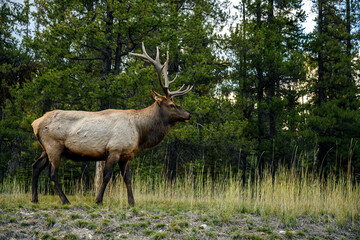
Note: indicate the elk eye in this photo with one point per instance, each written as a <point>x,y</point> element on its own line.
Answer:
<point>172,105</point>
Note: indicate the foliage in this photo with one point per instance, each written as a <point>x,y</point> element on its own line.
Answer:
<point>249,84</point>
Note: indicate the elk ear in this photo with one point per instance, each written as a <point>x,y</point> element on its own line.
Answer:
<point>158,98</point>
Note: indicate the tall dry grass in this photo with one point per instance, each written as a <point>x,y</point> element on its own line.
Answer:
<point>288,195</point>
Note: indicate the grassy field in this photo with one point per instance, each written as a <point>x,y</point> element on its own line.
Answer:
<point>294,205</point>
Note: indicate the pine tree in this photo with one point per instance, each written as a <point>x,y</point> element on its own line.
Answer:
<point>82,49</point>
<point>267,44</point>
<point>334,116</point>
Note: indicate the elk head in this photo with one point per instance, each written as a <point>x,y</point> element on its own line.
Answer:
<point>171,110</point>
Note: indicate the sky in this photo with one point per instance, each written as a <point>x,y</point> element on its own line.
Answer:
<point>310,19</point>
<point>309,23</point>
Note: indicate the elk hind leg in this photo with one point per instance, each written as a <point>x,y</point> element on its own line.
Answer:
<point>37,168</point>
<point>107,173</point>
<point>125,172</point>
<point>55,159</point>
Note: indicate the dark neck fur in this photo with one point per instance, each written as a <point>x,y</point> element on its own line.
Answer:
<point>152,126</point>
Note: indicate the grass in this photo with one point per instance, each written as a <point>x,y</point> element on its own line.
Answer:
<point>82,223</point>
<point>289,195</point>
<point>160,235</point>
<point>50,221</point>
<point>160,225</point>
<point>75,216</point>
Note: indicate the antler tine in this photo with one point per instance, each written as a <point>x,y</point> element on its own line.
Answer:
<point>179,92</point>
<point>157,54</point>
<point>181,88</point>
<point>174,78</point>
<point>145,56</point>
<point>159,68</point>
<point>164,70</point>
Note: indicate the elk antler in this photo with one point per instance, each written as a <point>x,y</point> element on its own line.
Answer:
<point>162,69</point>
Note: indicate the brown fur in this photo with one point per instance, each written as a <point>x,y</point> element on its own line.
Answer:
<point>115,136</point>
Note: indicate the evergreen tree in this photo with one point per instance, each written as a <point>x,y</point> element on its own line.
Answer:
<point>16,67</point>
<point>334,116</point>
<point>268,66</point>
<point>82,49</point>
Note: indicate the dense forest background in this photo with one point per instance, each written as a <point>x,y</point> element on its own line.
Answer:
<point>266,94</point>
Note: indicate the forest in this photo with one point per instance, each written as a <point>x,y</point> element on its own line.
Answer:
<point>266,94</point>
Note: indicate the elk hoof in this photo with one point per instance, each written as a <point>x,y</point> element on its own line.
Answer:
<point>66,203</point>
<point>99,202</point>
<point>34,201</point>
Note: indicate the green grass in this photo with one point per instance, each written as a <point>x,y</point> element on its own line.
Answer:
<point>12,219</point>
<point>160,225</point>
<point>105,222</point>
<point>149,232</point>
<point>50,221</point>
<point>75,216</point>
<point>141,224</point>
<point>24,224</point>
<point>289,195</point>
<point>82,223</point>
<point>178,226</point>
<point>160,235</point>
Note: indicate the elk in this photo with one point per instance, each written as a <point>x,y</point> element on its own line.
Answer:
<point>115,136</point>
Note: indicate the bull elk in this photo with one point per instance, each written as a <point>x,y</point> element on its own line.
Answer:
<point>115,136</point>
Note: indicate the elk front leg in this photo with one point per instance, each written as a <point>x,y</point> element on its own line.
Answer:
<point>108,170</point>
<point>125,172</point>
<point>37,168</point>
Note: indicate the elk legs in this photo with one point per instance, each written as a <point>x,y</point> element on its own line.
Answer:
<point>37,167</point>
<point>108,170</point>
<point>54,155</point>
<point>53,174</point>
<point>125,172</point>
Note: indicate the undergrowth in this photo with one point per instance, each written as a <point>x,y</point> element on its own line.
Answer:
<point>288,195</point>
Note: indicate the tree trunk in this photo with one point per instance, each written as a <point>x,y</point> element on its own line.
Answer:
<point>107,53</point>
<point>272,76</point>
<point>98,175</point>
<point>321,82</point>
<point>260,99</point>
<point>323,147</point>
<point>348,41</point>
<point>244,167</point>
<point>85,175</point>
<point>171,161</point>
<point>109,20</point>
<point>273,80</point>
<point>118,55</point>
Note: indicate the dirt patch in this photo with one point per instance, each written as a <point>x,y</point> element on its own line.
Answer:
<point>132,223</point>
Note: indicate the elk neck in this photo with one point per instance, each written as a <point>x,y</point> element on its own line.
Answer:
<point>152,126</point>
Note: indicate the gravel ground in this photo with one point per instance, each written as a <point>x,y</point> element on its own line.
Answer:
<point>132,223</point>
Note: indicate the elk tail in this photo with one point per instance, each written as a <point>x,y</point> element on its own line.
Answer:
<point>39,140</point>
<point>36,128</point>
